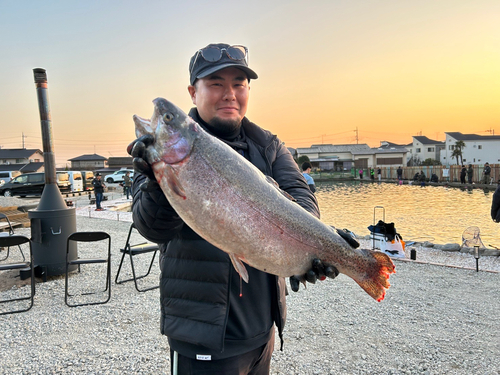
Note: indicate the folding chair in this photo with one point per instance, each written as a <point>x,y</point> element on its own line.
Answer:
<point>133,250</point>
<point>88,237</point>
<point>8,225</point>
<point>16,240</point>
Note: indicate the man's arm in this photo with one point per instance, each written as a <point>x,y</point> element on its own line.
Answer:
<point>286,173</point>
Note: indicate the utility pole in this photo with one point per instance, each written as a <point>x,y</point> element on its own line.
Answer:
<point>357,135</point>
<point>491,131</point>
<point>23,140</point>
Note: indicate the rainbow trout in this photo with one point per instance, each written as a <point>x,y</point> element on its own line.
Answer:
<point>235,207</point>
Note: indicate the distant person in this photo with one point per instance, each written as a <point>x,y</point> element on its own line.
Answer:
<point>361,174</point>
<point>486,173</point>
<point>400,173</point>
<point>463,173</point>
<point>422,176</point>
<point>127,184</point>
<point>434,178</point>
<point>98,191</point>
<point>470,173</point>
<point>416,177</point>
<point>379,174</point>
<point>495,205</point>
<point>372,174</point>
<point>306,169</point>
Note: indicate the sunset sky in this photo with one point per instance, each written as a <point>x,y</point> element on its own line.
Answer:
<point>390,69</point>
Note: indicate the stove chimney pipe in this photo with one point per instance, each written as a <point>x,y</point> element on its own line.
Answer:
<point>51,197</point>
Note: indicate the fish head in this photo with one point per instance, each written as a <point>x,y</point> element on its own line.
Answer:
<point>174,133</point>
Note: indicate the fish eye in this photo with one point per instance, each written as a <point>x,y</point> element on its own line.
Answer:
<point>167,117</point>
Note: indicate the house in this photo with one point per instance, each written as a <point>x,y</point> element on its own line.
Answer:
<point>21,159</point>
<point>90,162</point>
<point>116,163</point>
<point>348,156</point>
<point>20,156</point>
<point>479,149</point>
<point>423,148</point>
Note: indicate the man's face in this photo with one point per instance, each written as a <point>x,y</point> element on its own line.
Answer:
<point>222,98</point>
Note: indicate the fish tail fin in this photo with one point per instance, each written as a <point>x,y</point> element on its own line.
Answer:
<point>376,281</point>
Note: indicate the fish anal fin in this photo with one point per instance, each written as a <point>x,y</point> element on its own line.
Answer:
<point>173,182</point>
<point>239,266</point>
<point>376,281</point>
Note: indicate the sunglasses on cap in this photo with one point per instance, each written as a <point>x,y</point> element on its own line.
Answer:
<point>214,54</point>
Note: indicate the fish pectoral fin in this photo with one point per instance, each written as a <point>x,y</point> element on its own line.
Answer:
<point>283,192</point>
<point>174,183</point>
<point>239,266</point>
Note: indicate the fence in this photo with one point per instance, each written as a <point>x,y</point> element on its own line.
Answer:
<point>453,172</point>
<point>409,172</point>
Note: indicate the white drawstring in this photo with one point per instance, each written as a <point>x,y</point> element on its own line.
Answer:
<point>176,363</point>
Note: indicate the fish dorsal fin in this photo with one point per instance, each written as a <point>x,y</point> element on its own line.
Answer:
<point>239,266</point>
<point>275,184</point>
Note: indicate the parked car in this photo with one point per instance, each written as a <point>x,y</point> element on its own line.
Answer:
<point>117,176</point>
<point>76,180</point>
<point>6,176</point>
<point>33,184</point>
<point>88,176</point>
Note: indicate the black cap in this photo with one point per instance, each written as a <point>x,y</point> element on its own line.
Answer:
<point>203,68</point>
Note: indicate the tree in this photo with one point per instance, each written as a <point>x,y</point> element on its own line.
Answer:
<point>457,151</point>
<point>431,161</point>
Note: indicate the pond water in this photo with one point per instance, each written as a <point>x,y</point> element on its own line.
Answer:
<point>436,214</point>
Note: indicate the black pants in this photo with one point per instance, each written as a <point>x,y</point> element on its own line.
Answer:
<point>255,362</point>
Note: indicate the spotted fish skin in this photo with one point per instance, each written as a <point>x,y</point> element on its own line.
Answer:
<point>232,205</point>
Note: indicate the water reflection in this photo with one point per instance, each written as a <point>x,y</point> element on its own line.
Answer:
<point>437,214</point>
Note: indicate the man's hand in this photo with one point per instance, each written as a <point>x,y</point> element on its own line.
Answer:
<point>319,270</point>
<point>137,149</point>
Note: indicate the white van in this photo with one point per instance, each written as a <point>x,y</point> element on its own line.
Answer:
<point>76,179</point>
<point>6,176</point>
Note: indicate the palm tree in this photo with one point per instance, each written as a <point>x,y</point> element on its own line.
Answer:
<point>457,151</point>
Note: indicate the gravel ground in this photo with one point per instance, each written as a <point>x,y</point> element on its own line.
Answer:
<point>434,320</point>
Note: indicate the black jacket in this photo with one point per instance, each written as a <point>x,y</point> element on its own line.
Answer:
<point>98,185</point>
<point>199,287</point>
<point>495,205</point>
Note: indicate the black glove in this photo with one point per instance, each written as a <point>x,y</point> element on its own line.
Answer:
<point>318,271</point>
<point>347,235</point>
<point>137,149</point>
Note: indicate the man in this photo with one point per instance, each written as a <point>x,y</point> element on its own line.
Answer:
<point>379,174</point>
<point>214,322</point>
<point>470,173</point>
<point>400,173</point>
<point>463,173</point>
<point>306,169</point>
<point>486,173</point>
<point>98,191</point>
<point>127,184</point>
<point>495,205</point>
